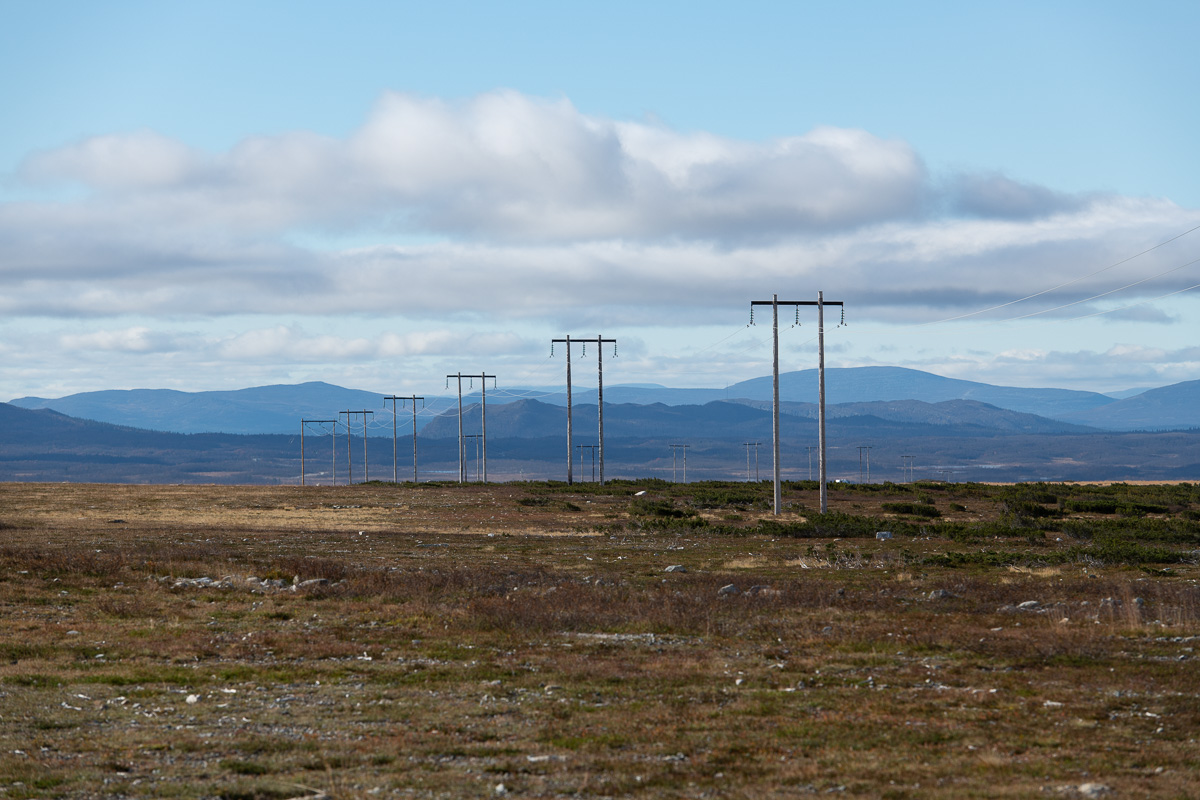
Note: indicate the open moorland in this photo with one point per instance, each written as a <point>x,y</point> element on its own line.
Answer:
<point>638,639</point>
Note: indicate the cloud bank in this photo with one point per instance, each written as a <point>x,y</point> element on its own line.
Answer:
<point>516,207</point>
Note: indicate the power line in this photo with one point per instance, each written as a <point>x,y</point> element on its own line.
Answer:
<point>1068,283</point>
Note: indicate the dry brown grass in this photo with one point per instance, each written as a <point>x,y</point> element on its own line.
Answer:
<point>458,640</point>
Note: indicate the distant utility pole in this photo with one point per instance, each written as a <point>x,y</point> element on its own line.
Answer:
<point>674,449</point>
<point>867,448</point>
<point>366,472</point>
<point>483,377</point>
<point>906,468</point>
<point>395,471</point>
<point>600,342</point>
<point>414,398</point>
<point>820,303</point>
<point>581,448</point>
<point>810,448</point>
<point>303,424</point>
<point>476,437</point>
<point>755,445</point>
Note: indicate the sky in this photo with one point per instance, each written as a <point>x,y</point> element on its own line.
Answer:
<point>218,195</point>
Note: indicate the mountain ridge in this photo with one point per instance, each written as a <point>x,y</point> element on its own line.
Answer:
<point>279,408</point>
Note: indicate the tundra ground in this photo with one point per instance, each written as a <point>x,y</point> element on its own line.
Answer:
<point>528,640</point>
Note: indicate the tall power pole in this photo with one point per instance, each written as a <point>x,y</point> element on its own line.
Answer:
<point>820,303</point>
<point>861,449</point>
<point>414,398</point>
<point>476,437</point>
<point>755,445</point>
<point>304,424</point>
<point>462,467</point>
<point>592,449</point>
<point>395,472</point>
<point>366,472</point>
<point>600,342</point>
<point>674,449</point>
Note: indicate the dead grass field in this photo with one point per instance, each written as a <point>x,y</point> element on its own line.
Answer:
<point>527,640</point>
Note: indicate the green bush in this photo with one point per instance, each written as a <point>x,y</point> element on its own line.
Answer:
<point>915,509</point>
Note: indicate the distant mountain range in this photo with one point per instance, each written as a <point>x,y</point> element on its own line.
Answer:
<point>280,408</point>
<point>880,440</point>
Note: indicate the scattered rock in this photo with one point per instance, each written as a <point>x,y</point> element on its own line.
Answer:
<point>1083,790</point>
<point>940,594</point>
<point>1029,605</point>
<point>312,583</point>
<point>677,568</point>
<point>727,589</point>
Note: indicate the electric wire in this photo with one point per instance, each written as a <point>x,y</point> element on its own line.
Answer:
<point>1068,283</point>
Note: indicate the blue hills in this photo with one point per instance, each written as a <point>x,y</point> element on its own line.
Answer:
<point>280,408</point>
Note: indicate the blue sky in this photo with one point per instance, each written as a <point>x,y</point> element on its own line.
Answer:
<point>217,195</point>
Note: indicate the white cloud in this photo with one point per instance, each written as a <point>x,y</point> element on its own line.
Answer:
<point>530,213</point>
<point>501,165</point>
<point>294,345</point>
<point>129,340</point>
<point>140,160</point>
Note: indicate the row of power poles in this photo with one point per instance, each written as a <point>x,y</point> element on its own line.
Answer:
<point>462,469</point>
<point>599,342</point>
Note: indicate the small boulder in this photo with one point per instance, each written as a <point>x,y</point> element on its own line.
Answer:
<point>727,589</point>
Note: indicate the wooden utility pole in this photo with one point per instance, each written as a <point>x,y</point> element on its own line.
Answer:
<point>861,449</point>
<point>394,398</point>
<point>820,303</point>
<point>592,448</point>
<point>366,469</point>
<point>395,473</point>
<point>600,342</point>
<point>462,467</point>
<point>673,451</point>
<point>755,445</point>
<point>303,424</point>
